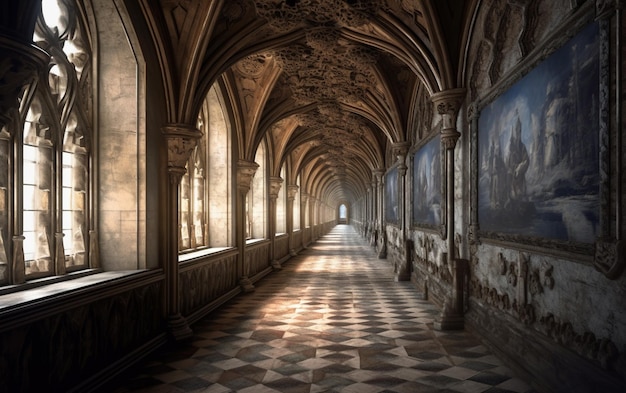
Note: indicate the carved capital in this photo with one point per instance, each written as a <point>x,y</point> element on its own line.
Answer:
<point>276,182</point>
<point>292,191</point>
<point>448,104</point>
<point>181,141</point>
<point>400,149</point>
<point>245,174</point>
<point>19,66</point>
<point>303,198</point>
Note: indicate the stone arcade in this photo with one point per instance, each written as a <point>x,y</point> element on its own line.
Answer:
<point>160,158</point>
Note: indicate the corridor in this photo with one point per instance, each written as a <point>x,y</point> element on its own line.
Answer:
<point>332,320</point>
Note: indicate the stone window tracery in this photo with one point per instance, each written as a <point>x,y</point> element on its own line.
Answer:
<point>44,212</point>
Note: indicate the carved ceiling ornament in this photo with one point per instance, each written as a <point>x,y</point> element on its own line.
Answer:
<point>284,16</point>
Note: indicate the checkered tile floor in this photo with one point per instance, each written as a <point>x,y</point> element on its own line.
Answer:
<point>333,320</point>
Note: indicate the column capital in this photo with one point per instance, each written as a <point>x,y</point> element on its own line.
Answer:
<point>245,173</point>
<point>276,182</point>
<point>400,150</point>
<point>181,139</point>
<point>292,191</point>
<point>378,173</point>
<point>448,103</point>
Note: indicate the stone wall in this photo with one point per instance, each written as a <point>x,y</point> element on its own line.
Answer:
<point>546,305</point>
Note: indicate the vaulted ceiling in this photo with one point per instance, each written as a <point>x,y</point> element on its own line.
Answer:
<point>330,84</point>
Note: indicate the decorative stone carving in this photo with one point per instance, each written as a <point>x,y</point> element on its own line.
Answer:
<point>448,103</point>
<point>502,264</point>
<point>548,280</point>
<point>610,258</point>
<point>534,283</point>
<point>181,141</point>
<point>602,351</point>
<point>511,278</point>
<point>245,174</point>
<point>285,16</point>
<point>292,191</point>
<point>276,182</point>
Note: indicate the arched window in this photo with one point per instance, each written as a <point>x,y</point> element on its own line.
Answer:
<point>50,143</point>
<point>205,190</point>
<point>256,198</point>
<point>343,212</point>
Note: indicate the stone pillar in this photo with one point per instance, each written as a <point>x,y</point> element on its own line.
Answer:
<point>400,150</point>
<point>275,183</point>
<point>378,214</point>
<point>448,103</point>
<point>181,141</point>
<point>303,199</point>
<point>313,217</point>
<point>292,191</point>
<point>245,174</point>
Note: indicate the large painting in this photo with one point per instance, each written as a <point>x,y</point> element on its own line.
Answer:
<point>427,184</point>
<point>538,149</point>
<point>391,195</point>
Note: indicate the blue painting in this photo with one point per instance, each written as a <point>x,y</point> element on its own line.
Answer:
<point>391,195</point>
<point>538,149</point>
<point>427,184</point>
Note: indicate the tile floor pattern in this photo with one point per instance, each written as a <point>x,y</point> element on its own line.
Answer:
<point>333,320</point>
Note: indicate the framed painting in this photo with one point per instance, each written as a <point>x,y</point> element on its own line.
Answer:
<point>391,196</point>
<point>538,149</point>
<point>427,183</point>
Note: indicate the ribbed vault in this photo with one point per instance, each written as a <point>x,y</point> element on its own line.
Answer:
<point>328,84</point>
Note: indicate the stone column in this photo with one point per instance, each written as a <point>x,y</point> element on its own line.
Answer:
<point>378,194</point>
<point>181,141</point>
<point>275,183</point>
<point>303,199</point>
<point>448,103</point>
<point>245,174</point>
<point>400,150</point>
<point>372,217</point>
<point>292,191</point>
<point>312,216</point>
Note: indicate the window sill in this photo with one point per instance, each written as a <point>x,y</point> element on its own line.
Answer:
<point>250,242</point>
<point>201,253</point>
<point>49,288</point>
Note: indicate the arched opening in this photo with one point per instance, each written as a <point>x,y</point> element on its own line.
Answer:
<point>343,214</point>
